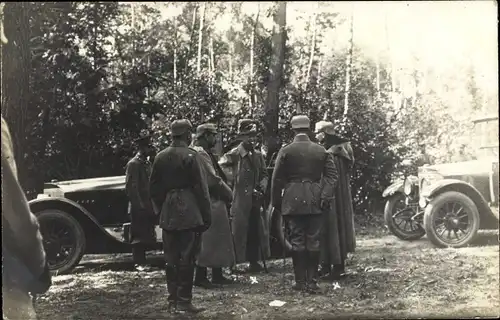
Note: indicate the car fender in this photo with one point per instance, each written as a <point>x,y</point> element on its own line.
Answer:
<point>487,216</point>
<point>392,189</point>
<point>37,205</point>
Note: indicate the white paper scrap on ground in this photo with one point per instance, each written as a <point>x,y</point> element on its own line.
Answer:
<point>253,280</point>
<point>336,285</point>
<point>277,303</point>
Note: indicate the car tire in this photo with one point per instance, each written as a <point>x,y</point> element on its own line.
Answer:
<point>435,206</point>
<point>76,233</point>
<point>390,204</point>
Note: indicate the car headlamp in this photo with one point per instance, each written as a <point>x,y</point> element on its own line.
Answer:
<point>408,187</point>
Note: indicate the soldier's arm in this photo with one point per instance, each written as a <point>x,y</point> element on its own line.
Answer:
<point>264,180</point>
<point>330,178</point>
<point>227,163</point>
<point>201,189</point>
<point>156,188</point>
<point>277,180</point>
<point>216,186</point>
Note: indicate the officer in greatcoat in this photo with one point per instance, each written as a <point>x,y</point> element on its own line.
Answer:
<point>142,216</point>
<point>217,250</point>
<point>338,238</point>
<point>302,183</point>
<point>247,169</point>
<point>179,192</point>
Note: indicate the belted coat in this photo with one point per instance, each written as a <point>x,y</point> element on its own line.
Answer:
<point>217,248</point>
<point>246,171</point>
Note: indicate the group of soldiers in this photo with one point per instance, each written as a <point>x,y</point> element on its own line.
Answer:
<point>212,212</point>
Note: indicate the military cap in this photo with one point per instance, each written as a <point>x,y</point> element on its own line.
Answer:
<point>324,126</point>
<point>206,127</point>
<point>300,122</point>
<point>180,127</point>
<point>246,126</point>
<point>144,138</point>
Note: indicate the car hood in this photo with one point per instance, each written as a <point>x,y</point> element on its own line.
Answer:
<point>104,183</point>
<point>465,168</point>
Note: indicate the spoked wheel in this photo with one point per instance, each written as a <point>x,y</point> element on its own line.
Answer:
<point>400,220</point>
<point>451,220</point>
<point>281,230</point>
<point>63,240</point>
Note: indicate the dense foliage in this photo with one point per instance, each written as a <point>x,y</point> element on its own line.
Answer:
<point>91,76</point>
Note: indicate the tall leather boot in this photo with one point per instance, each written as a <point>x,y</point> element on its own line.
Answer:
<point>171,275</point>
<point>139,253</point>
<point>201,279</point>
<point>185,290</point>
<point>299,270</point>
<point>338,271</point>
<point>324,270</point>
<point>312,272</point>
<point>218,277</point>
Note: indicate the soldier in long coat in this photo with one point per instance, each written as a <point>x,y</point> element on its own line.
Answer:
<point>302,186</point>
<point>142,216</point>
<point>246,169</point>
<point>217,250</point>
<point>24,262</point>
<point>338,237</point>
<point>180,195</point>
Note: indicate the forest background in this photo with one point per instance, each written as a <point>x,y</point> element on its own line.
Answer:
<point>81,80</point>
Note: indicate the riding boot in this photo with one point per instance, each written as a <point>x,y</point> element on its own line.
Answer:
<point>218,277</point>
<point>185,290</point>
<point>324,270</point>
<point>172,278</point>
<point>201,279</point>
<point>312,271</point>
<point>299,269</point>
<point>139,253</point>
<point>338,271</point>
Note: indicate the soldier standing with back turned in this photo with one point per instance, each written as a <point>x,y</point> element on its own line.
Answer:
<point>180,194</point>
<point>307,174</point>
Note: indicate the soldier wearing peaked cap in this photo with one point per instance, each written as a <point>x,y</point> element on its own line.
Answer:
<point>246,169</point>
<point>140,209</point>
<point>217,250</point>
<point>180,194</point>
<point>302,183</point>
<point>338,236</point>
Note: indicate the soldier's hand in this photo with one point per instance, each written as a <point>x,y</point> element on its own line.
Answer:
<point>324,204</point>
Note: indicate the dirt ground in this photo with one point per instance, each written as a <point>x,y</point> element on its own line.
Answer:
<point>387,278</point>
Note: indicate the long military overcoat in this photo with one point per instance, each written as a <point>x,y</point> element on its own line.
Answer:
<point>143,218</point>
<point>217,249</point>
<point>338,233</point>
<point>245,171</point>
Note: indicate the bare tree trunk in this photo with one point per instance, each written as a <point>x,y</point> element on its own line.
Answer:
<point>211,63</point>
<point>175,51</point>
<point>311,49</point>
<point>231,55</point>
<point>200,38</point>
<point>252,49</point>
<point>276,82</point>
<point>15,68</point>
<point>193,24</point>
<point>378,78</point>
<point>348,70</point>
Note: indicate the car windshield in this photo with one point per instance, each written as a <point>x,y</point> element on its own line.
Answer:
<point>486,136</point>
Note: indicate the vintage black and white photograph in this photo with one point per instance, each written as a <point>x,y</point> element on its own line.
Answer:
<point>250,160</point>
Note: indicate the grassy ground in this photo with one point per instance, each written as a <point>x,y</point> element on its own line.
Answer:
<point>388,278</point>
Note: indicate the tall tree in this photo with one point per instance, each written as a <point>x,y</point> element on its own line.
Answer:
<point>271,108</point>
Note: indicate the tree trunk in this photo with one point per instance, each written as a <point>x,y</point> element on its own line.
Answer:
<point>193,24</point>
<point>378,78</point>
<point>276,80</point>
<point>348,70</point>
<point>231,55</point>
<point>200,38</point>
<point>252,49</point>
<point>311,50</point>
<point>211,63</point>
<point>16,60</point>
<point>175,51</point>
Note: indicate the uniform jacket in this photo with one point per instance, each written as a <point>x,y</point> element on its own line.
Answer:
<point>217,248</point>
<point>246,171</point>
<point>179,189</point>
<point>140,208</point>
<point>304,174</point>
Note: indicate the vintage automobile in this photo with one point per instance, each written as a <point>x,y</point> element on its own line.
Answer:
<point>88,216</point>
<point>457,199</point>
<point>402,215</point>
